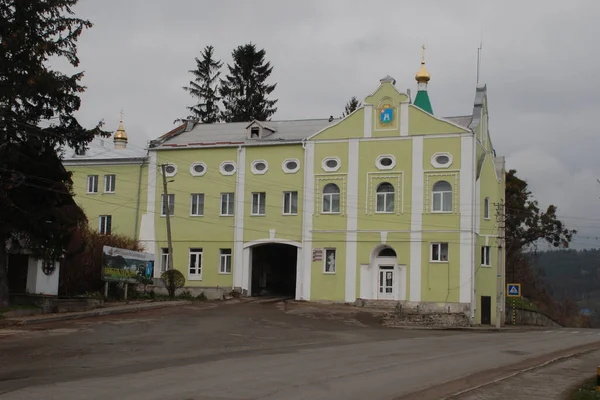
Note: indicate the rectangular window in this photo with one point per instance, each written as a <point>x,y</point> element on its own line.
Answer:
<point>225,261</point>
<point>486,208</point>
<point>329,261</point>
<point>171,206</point>
<point>227,203</point>
<point>164,259</point>
<point>258,203</point>
<point>486,256</point>
<point>197,204</point>
<point>110,183</point>
<point>195,271</point>
<point>105,225</point>
<point>290,203</point>
<point>439,252</point>
<point>92,184</point>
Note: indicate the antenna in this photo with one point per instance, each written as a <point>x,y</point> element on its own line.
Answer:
<point>479,56</point>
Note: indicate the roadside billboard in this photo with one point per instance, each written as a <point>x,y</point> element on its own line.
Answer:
<point>121,265</point>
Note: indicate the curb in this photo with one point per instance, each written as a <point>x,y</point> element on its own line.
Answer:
<point>87,314</point>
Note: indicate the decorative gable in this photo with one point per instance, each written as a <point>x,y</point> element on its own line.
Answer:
<point>258,130</point>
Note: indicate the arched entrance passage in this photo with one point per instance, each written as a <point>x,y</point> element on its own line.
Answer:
<point>273,268</point>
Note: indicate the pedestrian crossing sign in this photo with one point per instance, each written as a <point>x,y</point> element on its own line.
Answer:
<point>513,290</point>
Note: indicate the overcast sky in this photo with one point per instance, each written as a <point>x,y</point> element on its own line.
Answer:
<point>539,60</point>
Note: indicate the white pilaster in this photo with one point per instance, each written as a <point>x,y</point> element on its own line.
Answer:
<point>352,220</point>
<point>416,219</point>
<point>467,211</point>
<point>404,119</point>
<point>368,120</point>
<point>147,229</point>
<point>308,207</point>
<point>239,269</point>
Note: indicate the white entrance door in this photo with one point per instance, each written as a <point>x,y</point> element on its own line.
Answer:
<point>386,282</point>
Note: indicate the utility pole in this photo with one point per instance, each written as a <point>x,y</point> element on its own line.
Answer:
<point>168,214</point>
<point>501,267</point>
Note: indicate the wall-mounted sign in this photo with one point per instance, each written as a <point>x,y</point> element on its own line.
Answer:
<point>317,255</point>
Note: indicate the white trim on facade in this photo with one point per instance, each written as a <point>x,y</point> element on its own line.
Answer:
<point>303,275</point>
<point>368,120</point>
<point>327,168</point>
<point>256,171</point>
<point>467,243</point>
<point>239,272</point>
<point>436,164</point>
<point>382,167</point>
<point>404,119</point>
<point>386,138</point>
<point>416,221</point>
<point>235,167</point>
<point>147,232</point>
<point>290,170</point>
<point>193,172</point>
<point>352,220</point>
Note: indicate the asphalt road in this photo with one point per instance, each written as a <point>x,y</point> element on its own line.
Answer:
<point>260,351</point>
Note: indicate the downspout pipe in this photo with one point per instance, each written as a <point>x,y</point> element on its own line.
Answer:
<point>139,193</point>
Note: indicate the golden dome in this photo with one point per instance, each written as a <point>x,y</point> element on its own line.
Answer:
<point>423,75</point>
<point>120,134</point>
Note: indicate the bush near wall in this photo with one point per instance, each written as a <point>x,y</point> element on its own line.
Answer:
<point>80,272</point>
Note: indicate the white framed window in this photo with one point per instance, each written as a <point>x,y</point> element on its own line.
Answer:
<point>259,167</point>
<point>227,168</point>
<point>385,198</point>
<point>329,261</point>
<point>170,169</point>
<point>442,197</point>
<point>164,259</point>
<point>195,270</point>
<point>227,203</point>
<point>486,256</point>
<point>110,182</point>
<point>198,169</point>
<point>258,203</point>
<point>170,205</point>
<point>331,164</point>
<point>385,161</point>
<point>486,208</point>
<point>290,203</point>
<point>439,252</point>
<point>224,261</point>
<point>105,224</point>
<point>331,199</point>
<point>441,160</point>
<point>197,204</point>
<point>92,184</point>
<point>290,165</point>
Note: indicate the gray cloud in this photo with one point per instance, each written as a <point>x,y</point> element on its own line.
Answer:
<point>539,62</point>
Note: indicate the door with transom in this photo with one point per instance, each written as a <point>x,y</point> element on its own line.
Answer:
<point>386,282</point>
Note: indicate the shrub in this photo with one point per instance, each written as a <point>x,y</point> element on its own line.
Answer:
<point>173,280</point>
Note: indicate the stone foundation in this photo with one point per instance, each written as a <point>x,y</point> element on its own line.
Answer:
<point>531,318</point>
<point>211,293</point>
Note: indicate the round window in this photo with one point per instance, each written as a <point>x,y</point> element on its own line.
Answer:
<point>228,167</point>
<point>442,160</point>
<point>331,163</point>
<point>199,168</point>
<point>291,165</point>
<point>386,161</point>
<point>48,267</point>
<point>261,166</point>
<point>170,169</point>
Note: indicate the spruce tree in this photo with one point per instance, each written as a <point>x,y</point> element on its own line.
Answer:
<point>244,90</point>
<point>37,106</point>
<point>203,87</point>
<point>351,106</point>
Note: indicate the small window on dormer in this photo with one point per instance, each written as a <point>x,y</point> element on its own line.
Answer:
<point>254,132</point>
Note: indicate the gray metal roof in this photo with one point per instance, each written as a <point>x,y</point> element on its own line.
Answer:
<point>235,133</point>
<point>463,121</point>
<point>103,149</point>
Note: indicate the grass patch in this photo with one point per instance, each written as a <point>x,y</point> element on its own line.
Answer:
<point>521,303</point>
<point>587,391</point>
<point>17,307</point>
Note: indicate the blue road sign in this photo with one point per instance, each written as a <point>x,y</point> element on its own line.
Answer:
<point>513,290</point>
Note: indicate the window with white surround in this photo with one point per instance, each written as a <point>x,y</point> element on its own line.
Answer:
<point>329,261</point>
<point>92,184</point>
<point>227,168</point>
<point>197,204</point>
<point>170,169</point>
<point>225,261</point>
<point>442,197</point>
<point>290,165</point>
<point>486,208</point>
<point>198,169</point>
<point>331,199</point>
<point>386,161</point>
<point>258,203</point>
<point>164,259</point>
<point>331,164</point>
<point>195,270</point>
<point>385,198</point>
<point>441,160</point>
<point>486,254</point>
<point>290,203</point>
<point>105,224</point>
<point>170,206</point>
<point>110,182</point>
<point>227,203</point>
<point>259,167</point>
<point>439,252</point>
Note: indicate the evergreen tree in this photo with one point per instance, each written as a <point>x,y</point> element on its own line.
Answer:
<point>351,106</point>
<point>37,106</point>
<point>245,91</point>
<point>203,87</point>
